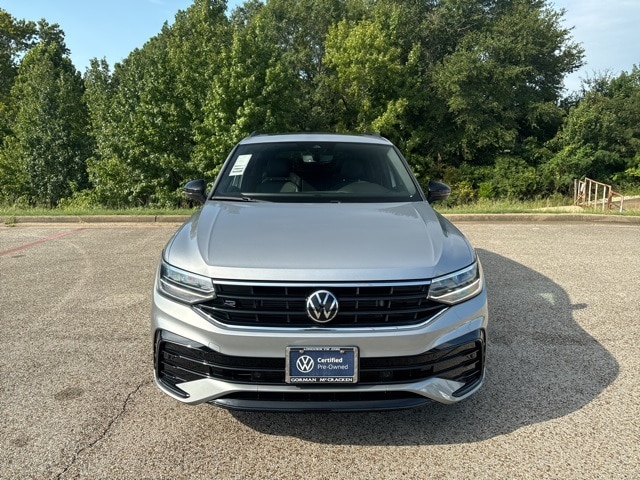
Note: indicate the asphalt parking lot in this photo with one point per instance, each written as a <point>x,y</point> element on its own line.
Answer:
<point>562,398</point>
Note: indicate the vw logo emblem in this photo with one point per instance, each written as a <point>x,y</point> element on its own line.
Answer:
<point>322,306</point>
<point>304,364</point>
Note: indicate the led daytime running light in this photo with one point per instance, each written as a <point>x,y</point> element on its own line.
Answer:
<point>458,286</point>
<point>184,286</point>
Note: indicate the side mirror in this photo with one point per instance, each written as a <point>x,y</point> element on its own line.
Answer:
<point>195,190</point>
<point>437,191</point>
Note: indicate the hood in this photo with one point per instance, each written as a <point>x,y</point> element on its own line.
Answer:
<point>318,242</point>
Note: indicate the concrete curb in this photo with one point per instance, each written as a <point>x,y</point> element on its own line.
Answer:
<point>542,218</point>
<point>91,219</point>
<point>454,217</point>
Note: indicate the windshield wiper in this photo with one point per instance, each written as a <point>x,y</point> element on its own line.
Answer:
<point>235,199</point>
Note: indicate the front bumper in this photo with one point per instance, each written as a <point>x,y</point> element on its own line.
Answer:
<point>196,361</point>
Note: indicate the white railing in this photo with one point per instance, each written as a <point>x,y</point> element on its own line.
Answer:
<point>592,194</point>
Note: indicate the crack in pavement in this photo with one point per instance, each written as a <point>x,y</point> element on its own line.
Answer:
<point>106,430</point>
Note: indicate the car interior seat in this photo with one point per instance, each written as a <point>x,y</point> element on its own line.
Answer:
<point>277,177</point>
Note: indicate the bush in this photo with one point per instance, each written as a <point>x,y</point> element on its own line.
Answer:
<point>80,200</point>
<point>514,179</point>
<point>462,193</point>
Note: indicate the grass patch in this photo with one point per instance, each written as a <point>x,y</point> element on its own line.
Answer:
<point>53,212</point>
<point>558,206</point>
<point>505,206</point>
<point>554,205</point>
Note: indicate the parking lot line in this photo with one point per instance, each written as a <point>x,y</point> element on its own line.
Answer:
<point>42,240</point>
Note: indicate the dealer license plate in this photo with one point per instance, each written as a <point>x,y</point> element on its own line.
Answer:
<point>322,365</point>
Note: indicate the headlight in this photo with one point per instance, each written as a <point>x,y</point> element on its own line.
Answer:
<point>458,286</point>
<point>184,286</point>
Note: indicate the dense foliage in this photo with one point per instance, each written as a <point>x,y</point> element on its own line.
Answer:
<point>471,90</point>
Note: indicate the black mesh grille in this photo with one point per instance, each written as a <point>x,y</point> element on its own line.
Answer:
<point>461,360</point>
<point>285,306</point>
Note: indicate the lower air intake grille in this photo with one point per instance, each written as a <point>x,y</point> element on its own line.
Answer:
<point>461,360</point>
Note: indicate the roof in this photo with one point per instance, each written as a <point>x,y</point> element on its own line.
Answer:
<point>315,137</point>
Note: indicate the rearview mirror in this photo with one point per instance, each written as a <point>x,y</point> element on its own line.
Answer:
<point>437,191</point>
<point>195,190</point>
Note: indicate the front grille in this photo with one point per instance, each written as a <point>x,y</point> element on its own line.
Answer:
<point>285,306</point>
<point>461,360</point>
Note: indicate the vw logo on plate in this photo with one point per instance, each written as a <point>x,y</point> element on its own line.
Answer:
<point>304,364</point>
<point>322,306</point>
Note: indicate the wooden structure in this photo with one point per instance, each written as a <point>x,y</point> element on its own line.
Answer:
<point>592,194</point>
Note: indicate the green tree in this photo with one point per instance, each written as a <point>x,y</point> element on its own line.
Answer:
<point>368,75</point>
<point>14,181</point>
<point>253,90</point>
<point>148,113</point>
<point>457,84</point>
<point>147,131</point>
<point>300,30</point>
<point>108,175</point>
<point>142,129</point>
<point>600,138</point>
<point>16,37</point>
<point>196,42</point>
<point>503,79</point>
<point>51,123</point>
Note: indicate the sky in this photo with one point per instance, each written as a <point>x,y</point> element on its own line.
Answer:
<point>607,29</point>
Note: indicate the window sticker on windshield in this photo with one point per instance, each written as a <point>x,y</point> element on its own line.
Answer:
<point>240,165</point>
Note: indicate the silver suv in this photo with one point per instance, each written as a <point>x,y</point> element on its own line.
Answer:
<point>316,276</point>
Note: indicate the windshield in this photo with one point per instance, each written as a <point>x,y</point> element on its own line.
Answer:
<point>317,171</point>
